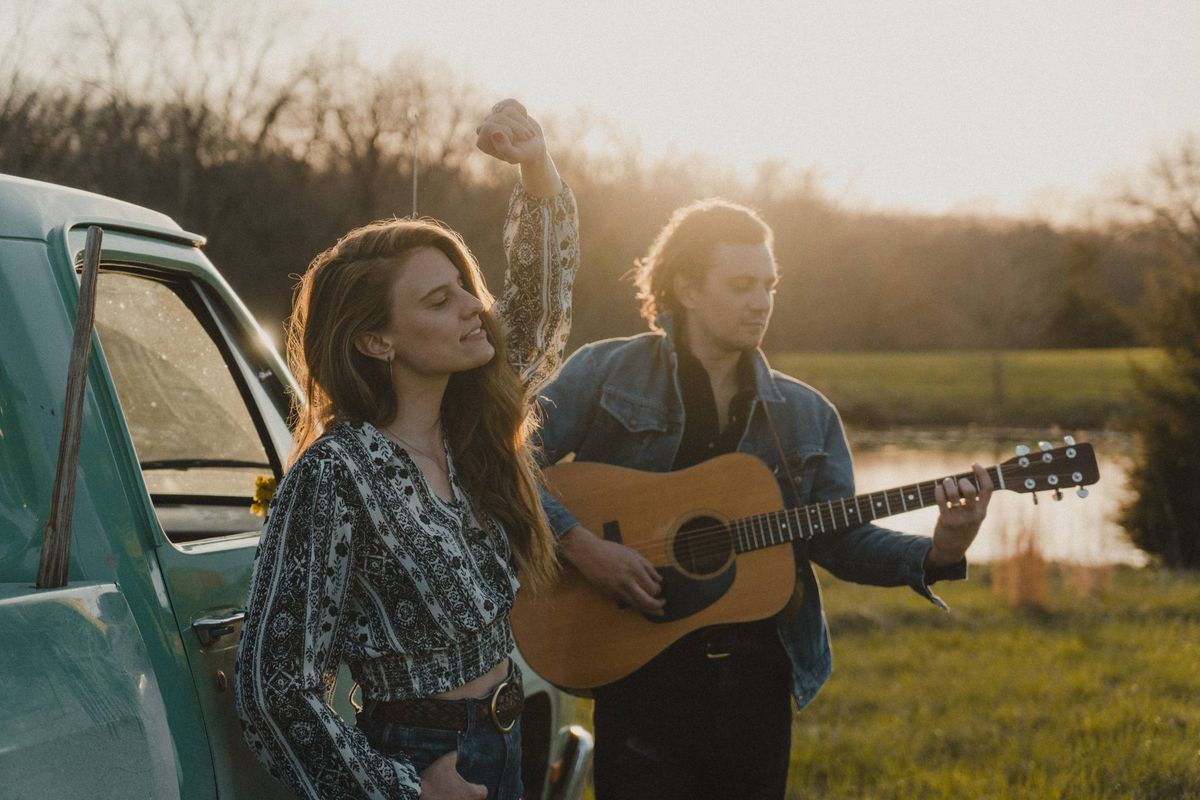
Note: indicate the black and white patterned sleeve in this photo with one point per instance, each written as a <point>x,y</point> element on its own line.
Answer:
<point>541,241</point>
<point>292,639</point>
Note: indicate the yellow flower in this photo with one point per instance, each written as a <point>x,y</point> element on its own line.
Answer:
<point>264,490</point>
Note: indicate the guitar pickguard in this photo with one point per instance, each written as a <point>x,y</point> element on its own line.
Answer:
<point>685,595</point>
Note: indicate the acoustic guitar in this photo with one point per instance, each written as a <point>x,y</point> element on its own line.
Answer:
<point>713,532</point>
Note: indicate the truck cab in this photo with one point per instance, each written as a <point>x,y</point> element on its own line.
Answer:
<point>119,684</point>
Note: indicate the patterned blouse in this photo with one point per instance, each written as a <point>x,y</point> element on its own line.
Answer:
<point>361,562</point>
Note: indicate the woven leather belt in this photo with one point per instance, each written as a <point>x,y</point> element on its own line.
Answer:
<point>502,708</point>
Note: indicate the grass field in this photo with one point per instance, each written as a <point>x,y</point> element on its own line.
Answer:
<point>1028,388</point>
<point>1093,696</point>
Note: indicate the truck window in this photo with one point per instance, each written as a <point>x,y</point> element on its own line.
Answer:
<point>199,437</point>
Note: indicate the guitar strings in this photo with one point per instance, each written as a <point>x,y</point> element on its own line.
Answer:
<point>657,546</point>
<point>710,548</point>
<point>740,532</point>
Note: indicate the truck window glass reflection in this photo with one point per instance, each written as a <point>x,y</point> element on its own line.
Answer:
<point>196,439</point>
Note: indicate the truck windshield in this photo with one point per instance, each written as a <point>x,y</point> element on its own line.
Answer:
<point>193,426</point>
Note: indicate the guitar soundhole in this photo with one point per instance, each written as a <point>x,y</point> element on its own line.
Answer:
<point>703,546</point>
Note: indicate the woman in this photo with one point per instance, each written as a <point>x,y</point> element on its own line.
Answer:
<point>394,540</point>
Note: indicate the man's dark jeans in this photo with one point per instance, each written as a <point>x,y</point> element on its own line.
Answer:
<point>696,723</point>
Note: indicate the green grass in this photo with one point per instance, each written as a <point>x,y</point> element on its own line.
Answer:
<point>1037,388</point>
<point>1093,697</point>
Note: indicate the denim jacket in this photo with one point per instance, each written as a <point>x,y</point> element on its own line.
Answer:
<point>618,401</point>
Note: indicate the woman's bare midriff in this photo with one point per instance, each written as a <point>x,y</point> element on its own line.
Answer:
<point>481,686</point>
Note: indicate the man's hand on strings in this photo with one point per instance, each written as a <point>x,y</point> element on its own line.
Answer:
<point>961,512</point>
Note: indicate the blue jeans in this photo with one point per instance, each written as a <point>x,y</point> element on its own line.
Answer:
<point>485,755</point>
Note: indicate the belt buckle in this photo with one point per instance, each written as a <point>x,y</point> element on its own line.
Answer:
<point>495,712</point>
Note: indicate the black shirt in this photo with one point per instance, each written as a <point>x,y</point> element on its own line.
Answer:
<point>702,435</point>
<point>701,440</point>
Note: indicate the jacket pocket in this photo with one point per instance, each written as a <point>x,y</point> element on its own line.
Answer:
<point>634,413</point>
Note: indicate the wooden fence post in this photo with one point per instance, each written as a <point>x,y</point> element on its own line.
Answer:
<point>56,541</point>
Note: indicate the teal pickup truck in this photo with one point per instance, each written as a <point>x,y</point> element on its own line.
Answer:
<point>118,683</point>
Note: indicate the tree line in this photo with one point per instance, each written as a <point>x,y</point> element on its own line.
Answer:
<point>272,158</point>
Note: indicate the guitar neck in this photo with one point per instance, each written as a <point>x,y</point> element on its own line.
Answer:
<point>780,527</point>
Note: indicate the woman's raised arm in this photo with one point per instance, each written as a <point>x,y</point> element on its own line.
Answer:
<point>541,242</point>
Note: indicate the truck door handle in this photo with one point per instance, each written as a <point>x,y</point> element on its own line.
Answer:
<point>209,629</point>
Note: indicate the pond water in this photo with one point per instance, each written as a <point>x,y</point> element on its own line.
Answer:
<point>1071,530</point>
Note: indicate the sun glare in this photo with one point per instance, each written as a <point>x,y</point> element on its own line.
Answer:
<point>930,106</point>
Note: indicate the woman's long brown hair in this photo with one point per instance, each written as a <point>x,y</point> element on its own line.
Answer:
<point>486,411</point>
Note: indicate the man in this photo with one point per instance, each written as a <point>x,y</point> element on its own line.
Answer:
<point>710,717</point>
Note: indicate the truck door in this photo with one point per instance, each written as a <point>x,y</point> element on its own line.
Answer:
<point>205,405</point>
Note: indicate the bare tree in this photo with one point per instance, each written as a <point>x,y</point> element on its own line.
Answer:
<point>1170,196</point>
<point>186,84</point>
<point>377,120</point>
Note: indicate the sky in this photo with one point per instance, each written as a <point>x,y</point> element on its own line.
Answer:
<point>999,107</point>
<point>1004,107</point>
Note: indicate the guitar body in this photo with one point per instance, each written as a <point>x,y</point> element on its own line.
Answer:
<point>577,638</point>
<point>686,524</point>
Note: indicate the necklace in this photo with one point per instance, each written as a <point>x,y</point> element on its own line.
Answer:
<point>419,451</point>
<point>443,469</point>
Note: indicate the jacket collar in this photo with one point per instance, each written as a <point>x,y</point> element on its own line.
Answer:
<point>764,386</point>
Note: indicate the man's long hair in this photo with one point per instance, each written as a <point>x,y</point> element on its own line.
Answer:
<point>684,248</point>
<point>486,411</point>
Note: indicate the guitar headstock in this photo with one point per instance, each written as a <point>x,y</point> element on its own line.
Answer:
<point>1051,469</point>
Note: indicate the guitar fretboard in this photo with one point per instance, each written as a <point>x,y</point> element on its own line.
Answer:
<point>778,527</point>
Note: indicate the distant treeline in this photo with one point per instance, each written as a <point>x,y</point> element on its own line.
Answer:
<point>272,163</point>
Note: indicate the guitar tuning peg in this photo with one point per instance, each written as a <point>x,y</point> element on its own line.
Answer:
<point>1082,492</point>
<point>1045,446</point>
<point>1069,441</point>
<point>1022,450</point>
<point>1058,494</point>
